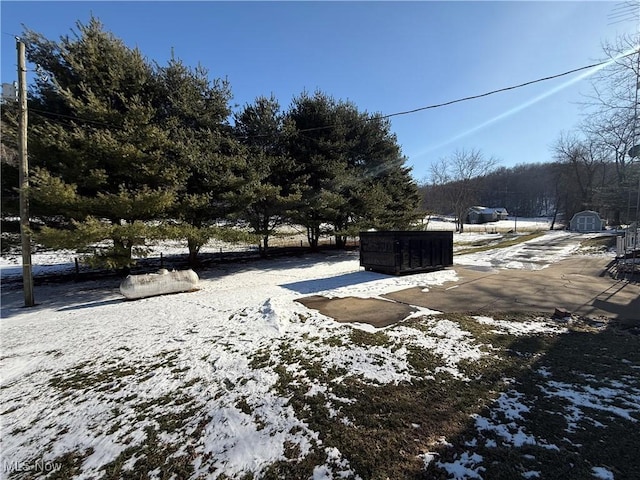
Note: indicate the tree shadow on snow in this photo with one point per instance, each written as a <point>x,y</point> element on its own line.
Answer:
<point>61,297</point>
<point>82,306</point>
<point>329,283</point>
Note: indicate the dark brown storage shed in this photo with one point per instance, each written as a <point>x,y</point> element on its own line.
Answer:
<point>398,252</point>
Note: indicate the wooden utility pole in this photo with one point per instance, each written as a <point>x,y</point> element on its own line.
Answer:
<point>25,232</point>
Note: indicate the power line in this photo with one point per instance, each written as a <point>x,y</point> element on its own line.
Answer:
<point>390,115</point>
<point>625,11</point>
<point>46,115</point>
<point>474,97</point>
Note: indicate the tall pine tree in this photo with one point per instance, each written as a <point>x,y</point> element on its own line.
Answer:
<point>351,167</point>
<point>269,193</point>
<point>100,158</point>
<point>194,111</point>
<point>318,150</point>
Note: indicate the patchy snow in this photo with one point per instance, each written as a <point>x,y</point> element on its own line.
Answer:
<point>445,339</point>
<point>428,458</point>
<point>336,467</point>
<point>538,326</point>
<point>465,466</point>
<point>602,473</point>
<point>503,425</point>
<point>48,262</point>
<point>510,224</point>
<point>535,254</point>
<point>531,474</point>
<point>502,420</point>
<point>615,398</point>
<point>86,371</point>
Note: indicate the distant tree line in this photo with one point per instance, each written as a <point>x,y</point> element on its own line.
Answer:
<point>555,189</point>
<point>124,151</point>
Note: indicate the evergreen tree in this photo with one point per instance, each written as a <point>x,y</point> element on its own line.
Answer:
<point>318,150</point>
<point>9,160</point>
<point>194,112</point>
<point>269,193</point>
<point>351,168</point>
<point>94,140</point>
<point>382,195</point>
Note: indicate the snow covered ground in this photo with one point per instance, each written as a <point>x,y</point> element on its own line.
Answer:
<point>47,262</point>
<point>86,373</point>
<point>514,224</point>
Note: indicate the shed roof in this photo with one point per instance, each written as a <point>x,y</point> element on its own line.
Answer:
<point>489,210</point>
<point>586,212</point>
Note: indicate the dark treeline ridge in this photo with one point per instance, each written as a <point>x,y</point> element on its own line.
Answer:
<point>553,189</point>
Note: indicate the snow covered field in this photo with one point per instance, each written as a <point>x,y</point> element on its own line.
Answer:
<point>52,262</point>
<point>92,384</point>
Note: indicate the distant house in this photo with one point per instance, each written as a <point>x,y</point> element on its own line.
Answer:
<point>586,221</point>
<point>480,214</point>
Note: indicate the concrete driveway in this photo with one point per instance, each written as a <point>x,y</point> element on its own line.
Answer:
<point>580,285</point>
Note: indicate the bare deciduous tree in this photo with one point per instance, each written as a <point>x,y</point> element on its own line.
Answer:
<point>613,102</point>
<point>609,131</point>
<point>460,177</point>
<point>583,157</point>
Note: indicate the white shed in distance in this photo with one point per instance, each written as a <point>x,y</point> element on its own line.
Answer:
<point>586,221</point>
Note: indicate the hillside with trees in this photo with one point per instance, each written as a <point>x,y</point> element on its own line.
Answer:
<point>594,166</point>
<point>555,189</point>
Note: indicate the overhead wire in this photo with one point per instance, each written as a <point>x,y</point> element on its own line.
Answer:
<point>474,97</point>
<point>382,116</point>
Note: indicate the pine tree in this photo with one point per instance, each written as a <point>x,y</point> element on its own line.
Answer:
<point>95,139</point>
<point>381,193</point>
<point>9,160</point>
<point>351,169</point>
<point>194,111</point>
<point>269,193</point>
<point>318,151</point>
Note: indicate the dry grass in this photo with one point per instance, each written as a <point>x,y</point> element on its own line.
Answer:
<point>381,429</point>
<point>387,426</point>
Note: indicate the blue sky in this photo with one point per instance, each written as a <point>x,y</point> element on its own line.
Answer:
<point>386,57</point>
